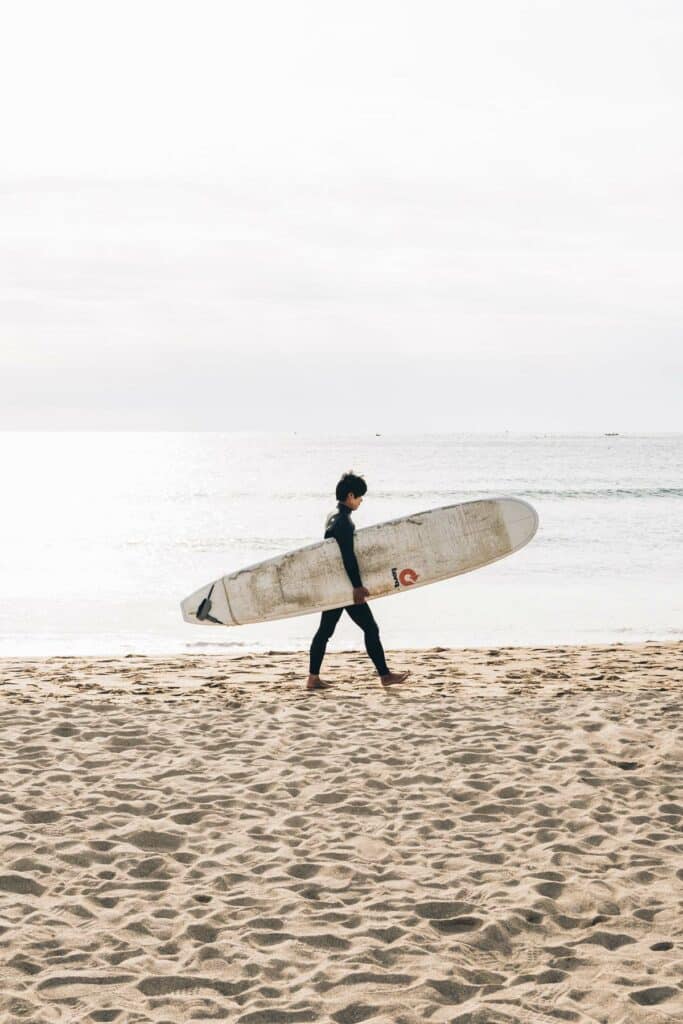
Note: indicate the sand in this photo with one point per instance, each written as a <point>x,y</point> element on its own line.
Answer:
<point>196,838</point>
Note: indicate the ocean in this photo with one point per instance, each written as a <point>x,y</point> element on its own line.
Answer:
<point>104,533</point>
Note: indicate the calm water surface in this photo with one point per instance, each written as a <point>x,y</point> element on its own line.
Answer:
<point>103,534</point>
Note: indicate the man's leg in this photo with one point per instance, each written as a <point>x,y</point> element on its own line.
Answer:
<point>363,617</point>
<point>328,622</point>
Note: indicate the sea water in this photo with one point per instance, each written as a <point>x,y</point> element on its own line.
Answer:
<point>104,533</point>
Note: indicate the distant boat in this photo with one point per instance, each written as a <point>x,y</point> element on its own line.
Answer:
<point>611,435</point>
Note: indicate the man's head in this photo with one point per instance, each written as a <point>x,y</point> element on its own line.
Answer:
<point>350,490</point>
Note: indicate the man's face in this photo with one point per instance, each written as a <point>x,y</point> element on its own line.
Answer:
<point>353,502</point>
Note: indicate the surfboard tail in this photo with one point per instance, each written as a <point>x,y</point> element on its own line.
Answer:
<point>207,606</point>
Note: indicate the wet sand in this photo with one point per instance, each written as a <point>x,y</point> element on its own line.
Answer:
<point>197,838</point>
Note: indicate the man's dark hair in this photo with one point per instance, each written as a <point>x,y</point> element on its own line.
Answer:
<point>350,484</point>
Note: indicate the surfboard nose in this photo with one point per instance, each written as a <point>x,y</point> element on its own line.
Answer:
<point>521,521</point>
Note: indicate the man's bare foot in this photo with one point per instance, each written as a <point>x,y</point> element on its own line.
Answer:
<point>393,677</point>
<point>316,683</point>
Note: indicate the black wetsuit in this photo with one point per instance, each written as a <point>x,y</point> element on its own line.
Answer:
<point>340,526</point>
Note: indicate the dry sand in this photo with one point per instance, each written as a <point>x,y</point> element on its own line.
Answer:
<point>195,838</point>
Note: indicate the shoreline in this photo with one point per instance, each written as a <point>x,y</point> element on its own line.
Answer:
<point>141,647</point>
<point>278,672</point>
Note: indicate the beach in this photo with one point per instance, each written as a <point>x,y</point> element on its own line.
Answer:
<point>196,838</point>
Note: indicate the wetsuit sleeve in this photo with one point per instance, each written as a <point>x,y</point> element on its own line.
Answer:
<point>343,534</point>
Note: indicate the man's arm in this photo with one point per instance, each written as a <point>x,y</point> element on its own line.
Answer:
<point>344,536</point>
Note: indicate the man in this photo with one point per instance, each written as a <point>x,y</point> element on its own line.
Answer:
<point>349,493</point>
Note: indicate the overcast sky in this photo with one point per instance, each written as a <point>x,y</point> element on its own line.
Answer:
<point>363,216</point>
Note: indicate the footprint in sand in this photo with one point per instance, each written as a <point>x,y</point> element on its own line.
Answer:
<point>161,842</point>
<point>653,996</point>
<point>456,925</point>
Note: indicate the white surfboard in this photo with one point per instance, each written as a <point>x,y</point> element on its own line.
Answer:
<point>393,557</point>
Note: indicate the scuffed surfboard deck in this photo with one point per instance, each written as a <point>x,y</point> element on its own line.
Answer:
<point>395,556</point>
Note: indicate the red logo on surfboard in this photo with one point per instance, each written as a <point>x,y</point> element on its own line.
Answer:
<point>404,578</point>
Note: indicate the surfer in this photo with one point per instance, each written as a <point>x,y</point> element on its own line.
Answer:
<point>349,494</point>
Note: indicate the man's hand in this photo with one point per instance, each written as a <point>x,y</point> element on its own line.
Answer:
<point>359,595</point>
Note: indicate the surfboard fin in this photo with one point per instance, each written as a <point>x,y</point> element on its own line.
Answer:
<point>202,612</point>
